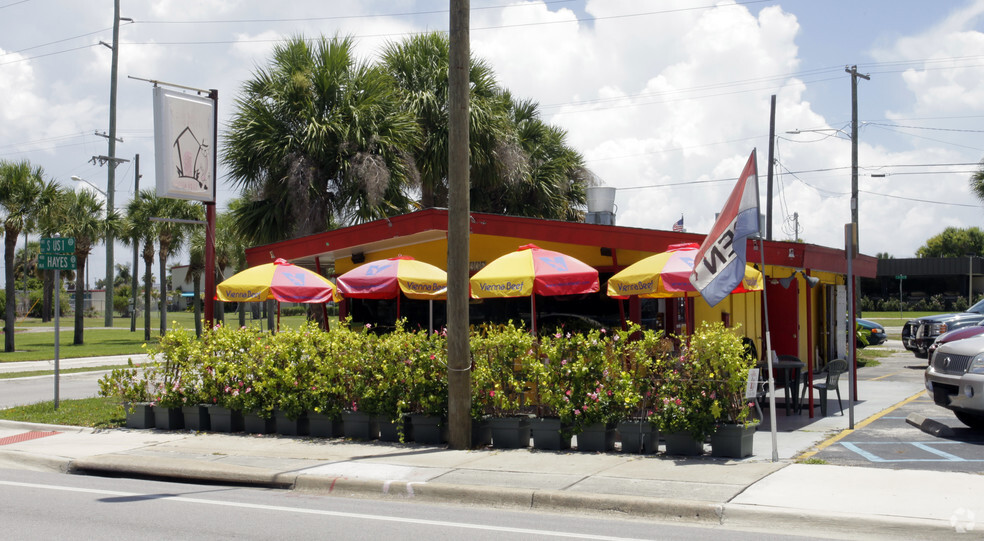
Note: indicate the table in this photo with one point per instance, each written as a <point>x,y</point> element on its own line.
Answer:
<point>790,368</point>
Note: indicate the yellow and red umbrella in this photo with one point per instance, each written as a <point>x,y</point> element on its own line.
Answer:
<point>532,271</point>
<point>388,278</point>
<point>667,274</point>
<point>279,280</point>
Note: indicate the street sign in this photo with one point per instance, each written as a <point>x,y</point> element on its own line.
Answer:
<point>900,277</point>
<point>57,261</point>
<point>58,245</point>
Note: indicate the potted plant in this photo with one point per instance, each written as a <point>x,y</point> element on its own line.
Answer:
<point>684,410</point>
<point>129,386</point>
<point>723,352</point>
<point>426,392</point>
<point>640,360</point>
<point>358,375</point>
<point>501,356</point>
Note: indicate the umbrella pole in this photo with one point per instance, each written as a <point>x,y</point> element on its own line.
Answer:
<point>278,316</point>
<point>430,316</point>
<point>397,307</point>
<point>621,313</point>
<point>533,312</point>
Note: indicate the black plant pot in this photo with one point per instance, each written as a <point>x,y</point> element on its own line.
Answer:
<point>549,434</point>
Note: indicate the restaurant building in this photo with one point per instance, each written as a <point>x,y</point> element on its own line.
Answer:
<point>805,284</point>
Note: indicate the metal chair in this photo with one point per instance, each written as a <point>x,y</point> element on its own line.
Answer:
<point>832,373</point>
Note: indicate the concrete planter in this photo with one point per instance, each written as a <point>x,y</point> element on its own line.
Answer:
<point>733,441</point>
<point>638,436</point>
<point>196,417</point>
<point>390,429</point>
<point>254,424</point>
<point>550,434</point>
<point>596,438</point>
<point>168,418</point>
<point>140,415</point>
<point>223,419</point>
<point>359,426</point>
<point>324,426</point>
<point>510,432</point>
<point>429,429</point>
<point>683,444</point>
<point>291,427</point>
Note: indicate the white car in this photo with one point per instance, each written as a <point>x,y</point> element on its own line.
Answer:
<point>955,379</point>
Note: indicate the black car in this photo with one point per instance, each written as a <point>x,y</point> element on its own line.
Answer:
<point>919,334</point>
<point>873,332</point>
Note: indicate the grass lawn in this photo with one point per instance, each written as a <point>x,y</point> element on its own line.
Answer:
<point>93,412</point>
<point>35,341</point>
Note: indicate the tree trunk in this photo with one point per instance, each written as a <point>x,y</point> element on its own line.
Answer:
<point>164,296</point>
<point>48,288</point>
<point>10,314</point>
<point>198,305</point>
<point>148,257</point>
<point>80,300</point>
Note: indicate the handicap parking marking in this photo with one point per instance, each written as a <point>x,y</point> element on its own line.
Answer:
<point>939,455</point>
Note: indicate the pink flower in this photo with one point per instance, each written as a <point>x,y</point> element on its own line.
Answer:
<point>491,393</point>
<point>678,401</point>
<point>577,412</point>
<point>558,335</point>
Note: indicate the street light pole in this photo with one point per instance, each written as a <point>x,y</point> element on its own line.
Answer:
<point>853,70</point>
<point>111,170</point>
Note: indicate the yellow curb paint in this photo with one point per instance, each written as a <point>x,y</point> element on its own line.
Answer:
<point>844,433</point>
<point>885,376</point>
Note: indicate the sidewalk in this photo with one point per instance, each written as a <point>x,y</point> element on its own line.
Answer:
<point>846,502</point>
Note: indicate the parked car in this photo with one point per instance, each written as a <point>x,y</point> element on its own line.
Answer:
<point>955,379</point>
<point>873,332</point>
<point>919,334</point>
<point>959,334</point>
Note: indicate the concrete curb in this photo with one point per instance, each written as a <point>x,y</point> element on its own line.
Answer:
<point>20,425</point>
<point>180,468</point>
<point>522,498</point>
<point>848,525</point>
<point>27,461</point>
<point>929,426</point>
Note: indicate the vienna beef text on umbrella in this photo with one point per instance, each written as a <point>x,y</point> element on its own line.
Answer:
<point>388,278</point>
<point>532,271</point>
<point>667,274</point>
<point>279,280</point>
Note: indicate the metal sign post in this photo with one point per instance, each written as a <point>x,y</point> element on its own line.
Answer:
<point>57,254</point>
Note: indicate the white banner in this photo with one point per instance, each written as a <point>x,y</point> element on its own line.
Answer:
<point>184,133</point>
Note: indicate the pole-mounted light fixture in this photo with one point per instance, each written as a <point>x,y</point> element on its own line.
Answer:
<point>811,281</point>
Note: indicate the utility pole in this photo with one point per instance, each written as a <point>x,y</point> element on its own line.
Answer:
<point>136,248</point>
<point>853,70</point>
<point>768,186</point>
<point>459,203</point>
<point>855,282</point>
<point>111,171</point>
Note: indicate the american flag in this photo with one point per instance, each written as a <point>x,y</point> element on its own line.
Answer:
<point>679,225</point>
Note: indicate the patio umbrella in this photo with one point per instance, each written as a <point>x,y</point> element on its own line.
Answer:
<point>667,274</point>
<point>532,271</point>
<point>388,278</point>
<point>279,280</point>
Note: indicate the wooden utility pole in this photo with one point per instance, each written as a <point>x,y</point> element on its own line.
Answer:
<point>135,276</point>
<point>855,242</point>
<point>111,170</point>
<point>459,206</point>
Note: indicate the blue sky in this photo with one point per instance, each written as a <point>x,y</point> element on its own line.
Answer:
<point>664,99</point>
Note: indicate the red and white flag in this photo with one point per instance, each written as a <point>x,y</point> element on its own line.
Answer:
<point>720,263</point>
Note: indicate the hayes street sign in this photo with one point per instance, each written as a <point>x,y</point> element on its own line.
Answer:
<point>57,261</point>
<point>58,245</point>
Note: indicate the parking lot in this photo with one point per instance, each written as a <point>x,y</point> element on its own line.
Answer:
<point>915,434</point>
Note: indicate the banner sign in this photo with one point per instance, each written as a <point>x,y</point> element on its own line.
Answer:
<point>720,262</point>
<point>184,134</point>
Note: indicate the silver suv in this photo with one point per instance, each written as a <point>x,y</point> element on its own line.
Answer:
<point>955,379</point>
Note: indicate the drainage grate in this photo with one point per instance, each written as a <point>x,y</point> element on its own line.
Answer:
<point>25,437</point>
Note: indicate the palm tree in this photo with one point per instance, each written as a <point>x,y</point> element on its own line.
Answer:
<point>553,186</point>
<point>171,237</point>
<point>196,267</point>
<point>318,139</point>
<point>230,251</point>
<point>24,198</point>
<point>140,229</point>
<point>83,220</point>
<point>420,66</point>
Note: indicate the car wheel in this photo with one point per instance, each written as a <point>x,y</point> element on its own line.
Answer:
<point>973,420</point>
<point>921,353</point>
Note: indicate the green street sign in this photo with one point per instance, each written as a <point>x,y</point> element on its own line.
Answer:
<point>58,262</point>
<point>58,245</point>
<point>900,277</point>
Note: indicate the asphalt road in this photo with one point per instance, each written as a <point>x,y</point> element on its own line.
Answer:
<point>889,441</point>
<point>44,506</point>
